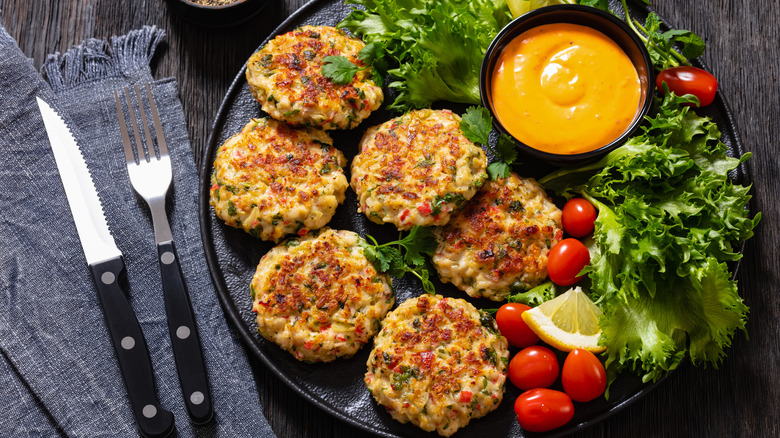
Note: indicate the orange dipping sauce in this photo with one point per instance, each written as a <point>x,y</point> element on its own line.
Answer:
<point>565,89</point>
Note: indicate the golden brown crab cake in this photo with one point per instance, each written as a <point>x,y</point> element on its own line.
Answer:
<point>272,180</point>
<point>438,362</point>
<point>318,297</point>
<point>285,76</point>
<point>499,242</point>
<point>416,169</point>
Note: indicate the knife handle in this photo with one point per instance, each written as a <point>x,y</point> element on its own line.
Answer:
<point>184,337</point>
<point>131,350</point>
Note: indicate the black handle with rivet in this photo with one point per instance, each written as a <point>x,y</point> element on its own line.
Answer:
<point>185,340</point>
<point>131,350</point>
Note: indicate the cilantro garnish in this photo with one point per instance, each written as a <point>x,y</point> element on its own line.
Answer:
<point>387,257</point>
<point>476,124</point>
<point>341,70</point>
<point>660,44</point>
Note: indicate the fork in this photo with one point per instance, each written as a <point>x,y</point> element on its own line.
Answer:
<point>151,174</point>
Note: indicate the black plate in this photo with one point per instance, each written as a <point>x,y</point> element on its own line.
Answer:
<point>338,387</point>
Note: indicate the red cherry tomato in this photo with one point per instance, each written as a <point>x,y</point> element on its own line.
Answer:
<point>689,80</point>
<point>583,376</point>
<point>512,327</point>
<point>542,409</point>
<point>566,260</point>
<point>578,217</point>
<point>534,367</point>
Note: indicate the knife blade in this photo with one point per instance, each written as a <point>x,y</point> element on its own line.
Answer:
<point>107,266</point>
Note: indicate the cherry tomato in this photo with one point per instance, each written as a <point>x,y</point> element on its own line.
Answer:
<point>566,260</point>
<point>542,409</point>
<point>534,367</point>
<point>578,217</point>
<point>511,325</point>
<point>583,376</point>
<point>689,80</point>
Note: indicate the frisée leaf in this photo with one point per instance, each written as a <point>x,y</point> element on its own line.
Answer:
<point>669,221</point>
<point>436,46</point>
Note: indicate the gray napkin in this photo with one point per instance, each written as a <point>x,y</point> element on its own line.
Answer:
<point>58,372</point>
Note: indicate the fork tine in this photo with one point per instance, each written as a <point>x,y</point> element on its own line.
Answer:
<point>145,122</point>
<point>163,147</point>
<point>140,148</point>
<point>129,155</point>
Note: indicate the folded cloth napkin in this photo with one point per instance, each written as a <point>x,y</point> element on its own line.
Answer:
<point>58,372</point>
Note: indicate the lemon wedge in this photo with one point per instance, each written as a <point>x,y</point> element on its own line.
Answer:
<point>520,7</point>
<point>567,322</point>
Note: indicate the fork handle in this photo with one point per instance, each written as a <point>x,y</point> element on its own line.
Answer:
<point>185,340</point>
<point>131,350</point>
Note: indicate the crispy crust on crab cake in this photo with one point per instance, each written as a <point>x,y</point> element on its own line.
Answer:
<point>285,77</point>
<point>272,180</point>
<point>499,242</point>
<point>438,362</point>
<point>318,297</point>
<point>416,169</point>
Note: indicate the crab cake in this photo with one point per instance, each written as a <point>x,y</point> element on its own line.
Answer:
<point>318,297</point>
<point>438,362</point>
<point>285,77</point>
<point>416,169</point>
<point>272,180</point>
<point>499,242</point>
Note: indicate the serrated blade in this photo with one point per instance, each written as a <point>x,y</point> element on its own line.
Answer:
<point>96,240</point>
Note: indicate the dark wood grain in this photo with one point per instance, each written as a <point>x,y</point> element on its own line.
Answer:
<point>740,399</point>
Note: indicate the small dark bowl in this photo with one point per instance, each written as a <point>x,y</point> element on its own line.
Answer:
<point>230,14</point>
<point>605,23</point>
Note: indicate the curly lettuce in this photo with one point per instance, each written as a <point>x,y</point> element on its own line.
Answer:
<point>437,45</point>
<point>670,220</point>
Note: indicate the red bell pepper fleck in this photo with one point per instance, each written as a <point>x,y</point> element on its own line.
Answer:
<point>426,359</point>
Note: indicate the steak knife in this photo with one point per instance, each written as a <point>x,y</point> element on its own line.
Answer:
<point>107,265</point>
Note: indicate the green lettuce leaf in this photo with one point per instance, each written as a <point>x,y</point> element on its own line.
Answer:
<point>437,46</point>
<point>653,334</point>
<point>669,221</point>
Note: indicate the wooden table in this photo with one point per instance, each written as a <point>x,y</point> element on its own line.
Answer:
<point>742,398</point>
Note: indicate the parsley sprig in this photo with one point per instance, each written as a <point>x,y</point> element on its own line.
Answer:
<point>341,70</point>
<point>389,258</point>
<point>476,124</point>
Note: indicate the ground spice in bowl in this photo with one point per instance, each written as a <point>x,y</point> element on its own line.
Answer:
<point>214,2</point>
<point>217,13</point>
